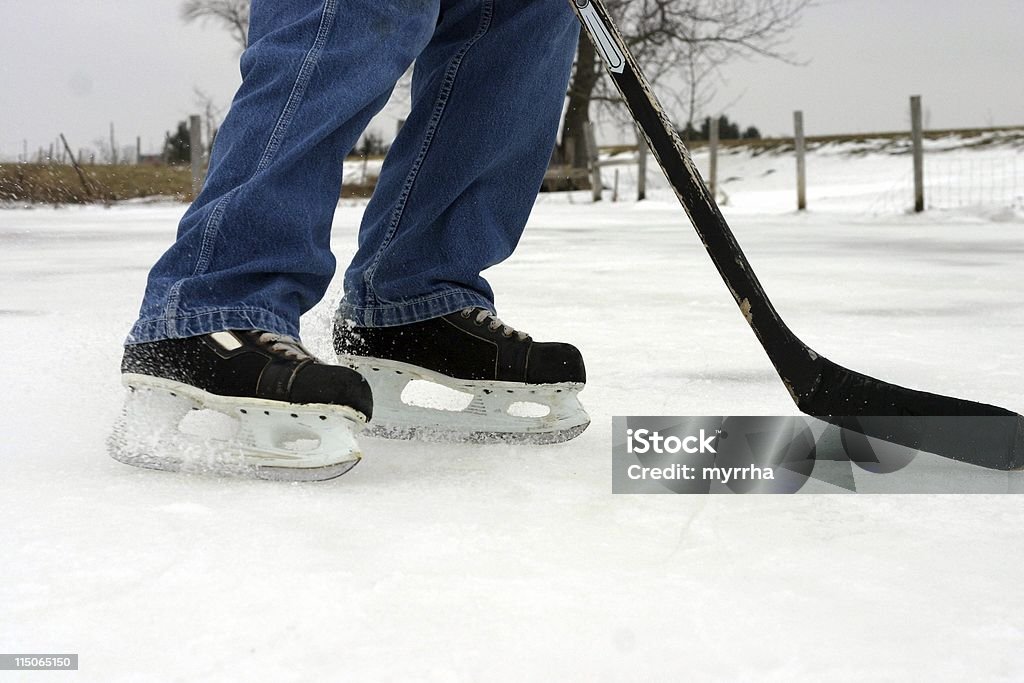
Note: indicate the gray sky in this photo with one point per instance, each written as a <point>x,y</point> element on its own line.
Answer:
<point>72,66</point>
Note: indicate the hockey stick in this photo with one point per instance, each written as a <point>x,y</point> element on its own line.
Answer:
<point>963,430</point>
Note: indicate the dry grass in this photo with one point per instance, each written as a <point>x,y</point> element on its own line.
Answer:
<point>57,184</point>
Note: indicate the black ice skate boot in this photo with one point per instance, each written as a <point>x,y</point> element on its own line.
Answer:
<point>243,402</point>
<point>507,387</point>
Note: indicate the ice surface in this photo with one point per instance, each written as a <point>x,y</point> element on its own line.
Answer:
<point>437,563</point>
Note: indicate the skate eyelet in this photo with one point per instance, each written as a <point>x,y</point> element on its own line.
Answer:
<point>323,417</point>
<point>266,412</point>
<point>243,411</point>
<point>465,314</point>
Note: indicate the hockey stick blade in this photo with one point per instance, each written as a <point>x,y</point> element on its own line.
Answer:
<point>967,431</point>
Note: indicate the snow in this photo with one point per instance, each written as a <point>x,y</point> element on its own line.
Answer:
<point>452,563</point>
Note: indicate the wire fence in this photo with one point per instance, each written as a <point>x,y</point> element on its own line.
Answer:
<point>959,179</point>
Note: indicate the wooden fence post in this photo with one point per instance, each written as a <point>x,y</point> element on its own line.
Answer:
<point>595,166</point>
<point>801,168</point>
<point>713,161</point>
<point>78,170</point>
<point>195,151</point>
<point>916,134</point>
<point>641,167</point>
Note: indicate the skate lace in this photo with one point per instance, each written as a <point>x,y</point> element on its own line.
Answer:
<point>482,315</point>
<point>283,344</point>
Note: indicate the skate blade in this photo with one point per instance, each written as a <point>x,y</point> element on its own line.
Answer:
<point>473,412</point>
<point>171,426</point>
<point>439,435</point>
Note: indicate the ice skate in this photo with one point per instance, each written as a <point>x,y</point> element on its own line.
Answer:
<point>466,376</point>
<point>247,403</point>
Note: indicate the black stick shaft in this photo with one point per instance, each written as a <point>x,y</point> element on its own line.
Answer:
<point>787,353</point>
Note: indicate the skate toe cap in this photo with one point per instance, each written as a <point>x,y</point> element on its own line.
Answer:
<point>333,385</point>
<point>555,363</point>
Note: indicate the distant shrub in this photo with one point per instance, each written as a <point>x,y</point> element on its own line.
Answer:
<point>727,130</point>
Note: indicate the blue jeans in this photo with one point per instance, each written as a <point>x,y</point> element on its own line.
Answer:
<point>456,189</point>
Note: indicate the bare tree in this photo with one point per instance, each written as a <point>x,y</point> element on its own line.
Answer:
<point>230,14</point>
<point>104,153</point>
<point>685,42</point>
<point>212,115</point>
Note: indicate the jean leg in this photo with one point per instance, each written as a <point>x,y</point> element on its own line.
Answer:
<point>253,250</point>
<point>457,187</point>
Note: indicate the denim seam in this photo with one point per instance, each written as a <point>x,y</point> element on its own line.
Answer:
<point>215,311</point>
<point>435,120</point>
<point>299,87</point>
<point>425,308</point>
<point>202,262</point>
<point>298,91</point>
<point>252,312</point>
<point>422,300</point>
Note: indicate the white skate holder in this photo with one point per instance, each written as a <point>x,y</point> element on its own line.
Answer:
<point>168,425</point>
<point>491,412</point>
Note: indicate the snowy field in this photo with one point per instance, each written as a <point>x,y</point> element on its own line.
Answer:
<point>469,563</point>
